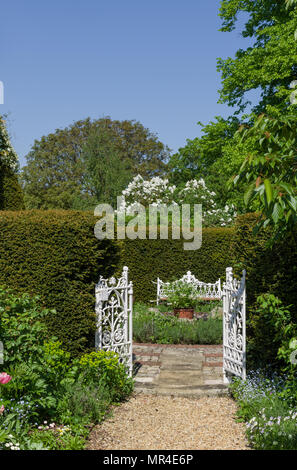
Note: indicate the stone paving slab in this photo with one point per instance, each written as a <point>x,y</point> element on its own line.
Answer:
<point>179,370</point>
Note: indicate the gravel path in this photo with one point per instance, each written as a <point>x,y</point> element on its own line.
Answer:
<point>149,422</point>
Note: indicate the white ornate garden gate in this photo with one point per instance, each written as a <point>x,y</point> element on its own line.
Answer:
<point>114,305</point>
<point>234,325</point>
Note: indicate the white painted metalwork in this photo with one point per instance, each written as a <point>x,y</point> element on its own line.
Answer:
<point>234,326</point>
<point>205,290</point>
<point>114,309</point>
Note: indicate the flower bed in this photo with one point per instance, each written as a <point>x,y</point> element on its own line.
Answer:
<point>49,400</point>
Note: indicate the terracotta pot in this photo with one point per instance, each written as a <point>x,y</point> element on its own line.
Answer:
<point>184,313</point>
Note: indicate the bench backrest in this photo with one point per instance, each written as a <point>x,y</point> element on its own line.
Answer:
<point>205,290</point>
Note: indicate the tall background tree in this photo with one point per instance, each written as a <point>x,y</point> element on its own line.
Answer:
<point>11,196</point>
<point>267,67</point>
<point>60,167</point>
<point>271,165</point>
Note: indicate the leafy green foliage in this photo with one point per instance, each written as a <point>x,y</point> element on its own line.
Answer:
<point>56,173</point>
<point>11,194</point>
<point>271,171</point>
<point>107,173</point>
<point>268,269</point>
<point>259,67</point>
<point>216,156</point>
<point>180,294</point>
<point>198,155</point>
<point>22,328</point>
<point>8,156</point>
<point>47,384</point>
<point>104,367</point>
<point>271,330</point>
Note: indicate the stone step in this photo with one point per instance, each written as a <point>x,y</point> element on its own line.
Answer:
<point>148,363</point>
<point>198,392</point>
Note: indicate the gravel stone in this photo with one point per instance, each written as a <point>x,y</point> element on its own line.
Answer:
<point>152,422</point>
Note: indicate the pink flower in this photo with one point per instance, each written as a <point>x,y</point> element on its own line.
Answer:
<point>2,410</point>
<point>4,378</point>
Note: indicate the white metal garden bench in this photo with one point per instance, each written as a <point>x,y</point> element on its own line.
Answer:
<point>205,290</point>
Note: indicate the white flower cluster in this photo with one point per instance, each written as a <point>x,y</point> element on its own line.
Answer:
<point>12,445</point>
<point>155,191</point>
<point>158,191</point>
<point>272,427</point>
<point>8,155</point>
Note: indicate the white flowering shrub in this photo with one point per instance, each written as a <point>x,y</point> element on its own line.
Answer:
<point>155,191</point>
<point>8,156</point>
<point>159,191</point>
<point>196,192</point>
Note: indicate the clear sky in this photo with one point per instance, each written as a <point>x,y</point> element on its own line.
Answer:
<point>153,61</point>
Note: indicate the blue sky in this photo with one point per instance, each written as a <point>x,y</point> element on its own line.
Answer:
<point>153,61</point>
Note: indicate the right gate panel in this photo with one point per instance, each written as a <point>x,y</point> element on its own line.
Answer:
<point>234,327</point>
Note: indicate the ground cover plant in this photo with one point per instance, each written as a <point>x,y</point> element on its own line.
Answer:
<point>159,327</point>
<point>49,400</point>
<point>267,400</point>
<point>267,403</point>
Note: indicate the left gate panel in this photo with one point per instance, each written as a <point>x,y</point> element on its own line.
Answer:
<point>114,311</point>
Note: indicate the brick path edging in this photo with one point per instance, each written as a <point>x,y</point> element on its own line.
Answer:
<point>149,357</point>
<point>195,346</point>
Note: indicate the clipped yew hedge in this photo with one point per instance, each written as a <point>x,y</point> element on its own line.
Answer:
<point>55,254</point>
<point>11,194</point>
<point>167,259</point>
<point>269,270</point>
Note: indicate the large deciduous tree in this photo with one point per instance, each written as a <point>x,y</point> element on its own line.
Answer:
<point>57,174</point>
<point>270,64</point>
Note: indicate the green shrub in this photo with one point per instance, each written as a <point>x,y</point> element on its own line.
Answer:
<point>83,403</point>
<point>180,294</point>
<point>269,270</point>
<point>271,332</point>
<point>45,383</point>
<point>54,254</point>
<point>103,367</point>
<point>22,328</point>
<point>167,259</point>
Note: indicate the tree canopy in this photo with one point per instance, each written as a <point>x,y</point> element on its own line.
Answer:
<point>56,174</point>
<point>269,65</point>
